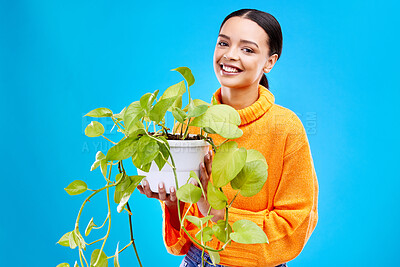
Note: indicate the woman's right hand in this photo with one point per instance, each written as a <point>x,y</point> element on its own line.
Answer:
<point>169,199</point>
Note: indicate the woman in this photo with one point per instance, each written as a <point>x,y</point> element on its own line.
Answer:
<point>249,44</point>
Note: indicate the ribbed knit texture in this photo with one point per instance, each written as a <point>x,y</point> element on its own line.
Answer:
<point>285,208</point>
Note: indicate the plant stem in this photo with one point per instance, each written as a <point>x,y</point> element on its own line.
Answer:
<point>109,140</point>
<point>187,129</point>
<point>80,256</point>
<point>130,243</point>
<point>132,239</point>
<point>179,209</point>
<point>98,227</point>
<point>98,240</point>
<point>116,123</point>
<point>87,200</point>
<point>109,221</point>
<point>230,204</point>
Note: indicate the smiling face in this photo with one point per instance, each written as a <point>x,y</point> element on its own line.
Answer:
<point>241,55</point>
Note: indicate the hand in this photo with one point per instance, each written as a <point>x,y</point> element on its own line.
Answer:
<point>169,200</point>
<point>205,173</point>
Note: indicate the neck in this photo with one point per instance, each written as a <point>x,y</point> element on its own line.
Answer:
<point>239,98</point>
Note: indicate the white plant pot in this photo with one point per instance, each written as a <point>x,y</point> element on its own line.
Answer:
<point>187,155</point>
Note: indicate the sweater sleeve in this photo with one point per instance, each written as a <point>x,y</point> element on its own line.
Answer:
<point>177,242</point>
<point>289,224</point>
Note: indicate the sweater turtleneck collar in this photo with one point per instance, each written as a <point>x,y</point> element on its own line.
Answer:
<point>251,113</point>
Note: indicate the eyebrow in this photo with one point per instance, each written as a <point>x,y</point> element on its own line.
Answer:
<point>241,40</point>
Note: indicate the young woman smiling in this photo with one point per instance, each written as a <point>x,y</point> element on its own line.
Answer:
<point>248,46</point>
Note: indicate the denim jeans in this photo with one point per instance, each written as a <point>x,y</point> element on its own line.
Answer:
<point>193,259</point>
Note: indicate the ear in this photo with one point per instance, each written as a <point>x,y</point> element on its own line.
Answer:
<point>270,63</point>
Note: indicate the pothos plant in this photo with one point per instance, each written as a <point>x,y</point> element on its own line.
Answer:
<point>245,170</point>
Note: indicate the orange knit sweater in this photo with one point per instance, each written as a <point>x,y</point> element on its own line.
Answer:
<point>286,207</point>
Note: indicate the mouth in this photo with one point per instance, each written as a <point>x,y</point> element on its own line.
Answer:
<point>229,69</point>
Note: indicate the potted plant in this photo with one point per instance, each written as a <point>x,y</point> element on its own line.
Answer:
<point>159,154</point>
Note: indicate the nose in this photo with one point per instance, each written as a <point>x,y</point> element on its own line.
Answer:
<point>231,54</point>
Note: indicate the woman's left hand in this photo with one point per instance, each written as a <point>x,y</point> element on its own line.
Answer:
<point>202,204</point>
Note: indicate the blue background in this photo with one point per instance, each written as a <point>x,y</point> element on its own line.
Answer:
<point>61,59</point>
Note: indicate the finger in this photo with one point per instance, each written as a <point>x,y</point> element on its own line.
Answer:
<point>172,195</point>
<point>146,189</point>
<point>140,188</point>
<point>162,195</point>
<point>204,178</point>
<point>208,162</point>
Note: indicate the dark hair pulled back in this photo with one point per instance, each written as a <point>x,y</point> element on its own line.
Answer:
<point>270,25</point>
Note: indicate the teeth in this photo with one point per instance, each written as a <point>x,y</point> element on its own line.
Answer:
<point>229,69</point>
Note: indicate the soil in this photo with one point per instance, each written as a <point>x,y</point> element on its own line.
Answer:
<point>177,136</point>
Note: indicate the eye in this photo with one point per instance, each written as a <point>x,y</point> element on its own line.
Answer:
<point>248,50</point>
<point>221,43</point>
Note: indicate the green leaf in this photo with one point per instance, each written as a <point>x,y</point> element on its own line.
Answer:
<point>209,130</point>
<point>214,101</point>
<point>198,221</point>
<point>76,240</point>
<point>123,150</point>
<point>157,113</point>
<point>187,74</point>
<point>196,111</point>
<point>120,116</point>
<point>94,129</point>
<point>103,167</point>
<point>76,187</point>
<point>72,239</point>
<point>135,128</point>
<point>100,112</point>
<point>147,100</point>
<point>179,114</point>
<point>248,232</point>
<point>79,241</point>
<point>207,233</point>
<point>99,157</point>
<point>63,265</point>
<point>133,113</point>
<point>89,227</point>
<point>125,197</point>
<point>194,176</point>
<point>252,177</point>
<point>64,240</point>
<point>222,119</point>
<point>176,90</point>
<point>214,256</point>
<point>121,187</point>
<point>188,193</point>
<point>215,197</point>
<point>220,232</point>
<point>116,258</point>
<point>136,179</point>
<point>138,164</point>
<point>250,180</point>
<point>196,102</point>
<point>147,149</point>
<point>159,160</point>
<point>227,163</point>
<point>102,262</point>
<point>253,155</point>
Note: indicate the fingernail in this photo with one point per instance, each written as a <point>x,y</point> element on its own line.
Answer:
<point>161,185</point>
<point>144,182</point>
<point>172,189</point>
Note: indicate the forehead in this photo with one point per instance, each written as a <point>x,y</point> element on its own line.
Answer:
<point>240,28</point>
